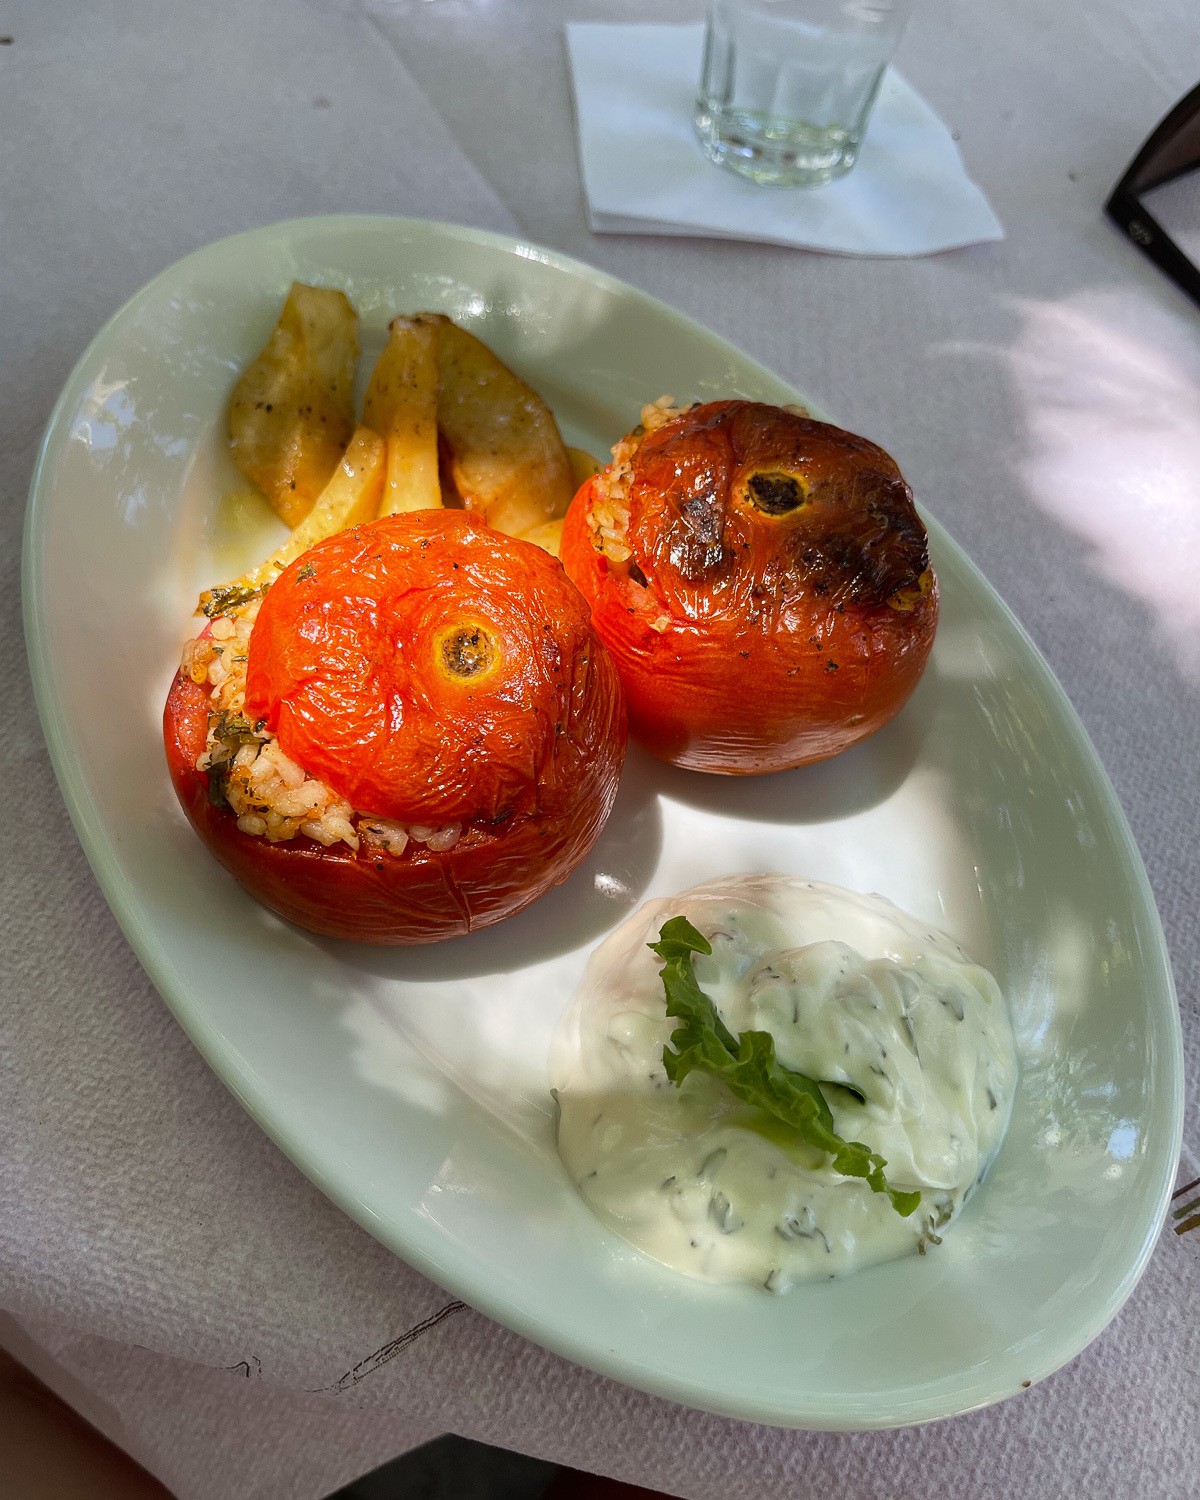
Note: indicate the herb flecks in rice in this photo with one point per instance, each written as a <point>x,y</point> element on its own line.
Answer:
<point>609,515</point>
<point>270,795</point>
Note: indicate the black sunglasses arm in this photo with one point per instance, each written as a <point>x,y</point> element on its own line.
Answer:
<point>1132,219</point>
<point>1124,206</point>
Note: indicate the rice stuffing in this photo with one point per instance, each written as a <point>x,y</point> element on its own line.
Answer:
<point>609,515</point>
<point>268,793</point>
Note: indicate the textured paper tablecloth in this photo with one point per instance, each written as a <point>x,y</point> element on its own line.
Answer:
<point>160,1262</point>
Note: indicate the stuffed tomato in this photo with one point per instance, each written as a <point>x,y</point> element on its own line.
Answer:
<point>412,734</point>
<point>762,581</point>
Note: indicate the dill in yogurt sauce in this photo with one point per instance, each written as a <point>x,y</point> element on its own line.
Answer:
<point>910,1041</point>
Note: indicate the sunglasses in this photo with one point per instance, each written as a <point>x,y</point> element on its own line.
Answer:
<point>1172,150</point>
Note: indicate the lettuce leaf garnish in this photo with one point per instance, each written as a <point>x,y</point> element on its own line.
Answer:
<point>748,1067</point>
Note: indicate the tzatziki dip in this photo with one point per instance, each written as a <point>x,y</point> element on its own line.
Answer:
<point>908,1040</point>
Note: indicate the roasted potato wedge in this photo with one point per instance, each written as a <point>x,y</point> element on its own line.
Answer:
<point>351,497</point>
<point>502,448</point>
<point>583,466</point>
<point>548,536</point>
<point>292,412</point>
<point>401,405</point>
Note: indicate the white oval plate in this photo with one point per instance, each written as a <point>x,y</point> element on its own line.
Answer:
<point>411,1085</point>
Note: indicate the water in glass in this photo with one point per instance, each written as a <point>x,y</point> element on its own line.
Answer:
<point>788,85</point>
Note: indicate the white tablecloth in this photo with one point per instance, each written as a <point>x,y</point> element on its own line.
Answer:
<point>161,1263</point>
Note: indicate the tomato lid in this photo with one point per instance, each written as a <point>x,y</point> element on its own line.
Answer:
<point>421,666</point>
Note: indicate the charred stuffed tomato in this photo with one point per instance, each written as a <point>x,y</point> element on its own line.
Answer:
<point>762,581</point>
<point>413,733</point>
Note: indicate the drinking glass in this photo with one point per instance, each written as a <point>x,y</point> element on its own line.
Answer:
<point>788,86</point>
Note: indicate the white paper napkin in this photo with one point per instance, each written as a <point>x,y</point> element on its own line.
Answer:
<point>644,172</point>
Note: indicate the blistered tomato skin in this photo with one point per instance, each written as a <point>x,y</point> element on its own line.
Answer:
<point>430,671</point>
<point>778,605</point>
